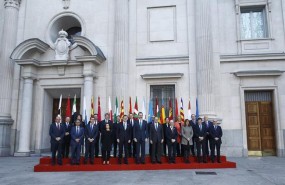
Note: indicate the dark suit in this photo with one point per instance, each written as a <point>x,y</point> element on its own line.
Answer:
<point>132,145</point>
<point>103,125</point>
<point>56,146</point>
<point>91,133</point>
<point>76,146</point>
<point>140,133</point>
<point>150,145</point>
<point>97,140</point>
<point>208,124</point>
<point>66,139</point>
<point>156,136</point>
<point>124,135</point>
<point>192,147</point>
<point>215,132</point>
<point>115,143</point>
<point>165,126</point>
<point>171,134</point>
<point>200,144</point>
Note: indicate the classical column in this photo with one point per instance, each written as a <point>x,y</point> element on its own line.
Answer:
<point>9,36</point>
<point>26,118</point>
<point>207,56</point>
<point>88,92</point>
<point>121,49</point>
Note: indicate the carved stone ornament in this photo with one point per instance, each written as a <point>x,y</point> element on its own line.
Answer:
<point>12,3</point>
<point>62,46</point>
<point>66,4</point>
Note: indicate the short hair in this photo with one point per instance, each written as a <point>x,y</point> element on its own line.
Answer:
<point>140,113</point>
<point>77,121</point>
<point>125,115</point>
<point>107,114</point>
<point>95,114</point>
<point>199,119</point>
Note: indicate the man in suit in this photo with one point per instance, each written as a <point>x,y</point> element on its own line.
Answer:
<point>56,133</point>
<point>200,136</point>
<point>171,139</point>
<point>140,134</point>
<point>124,138</point>
<point>96,141</point>
<point>114,133</point>
<point>156,137</point>
<point>193,123</point>
<point>77,135</point>
<point>132,145</point>
<point>208,124</point>
<point>66,144</point>
<point>106,121</point>
<point>216,134</point>
<point>165,126</point>
<point>148,125</point>
<point>91,133</point>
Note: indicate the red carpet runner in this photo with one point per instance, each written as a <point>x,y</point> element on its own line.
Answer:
<point>45,165</point>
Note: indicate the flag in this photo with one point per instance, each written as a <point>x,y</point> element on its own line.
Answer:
<point>110,109</point>
<point>150,111</point>
<point>162,114</point>
<point>181,111</point>
<point>116,111</point>
<point>74,105</point>
<point>143,109</point>
<point>197,109</point>
<point>92,106</point>
<point>59,105</point>
<point>170,113</point>
<point>122,109</point>
<point>156,107</point>
<point>67,111</point>
<point>176,109</point>
<point>130,106</point>
<point>189,110</point>
<point>136,109</point>
<point>99,109</point>
<point>84,111</point>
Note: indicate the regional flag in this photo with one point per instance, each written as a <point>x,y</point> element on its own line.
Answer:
<point>136,109</point>
<point>162,114</point>
<point>92,106</point>
<point>182,111</point>
<point>67,111</point>
<point>170,113</point>
<point>99,110</point>
<point>122,109</point>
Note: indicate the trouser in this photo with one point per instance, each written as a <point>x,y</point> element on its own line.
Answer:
<point>178,149</point>
<point>132,148</point>
<point>215,145</point>
<point>207,145</point>
<point>106,155</point>
<point>186,151</point>
<point>171,151</point>
<point>75,150</point>
<point>56,147</point>
<point>201,146</point>
<point>96,147</point>
<point>123,145</point>
<point>115,144</point>
<point>65,148</point>
<point>89,150</point>
<point>140,148</point>
<point>182,149</point>
<point>156,151</point>
<point>192,147</point>
<point>164,146</point>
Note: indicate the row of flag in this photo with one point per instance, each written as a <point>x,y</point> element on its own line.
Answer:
<point>160,112</point>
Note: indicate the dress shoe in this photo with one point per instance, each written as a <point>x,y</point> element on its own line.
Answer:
<point>159,162</point>
<point>173,162</point>
<point>219,162</point>
<point>143,162</point>
<point>126,162</point>
<point>152,162</point>
<point>77,164</point>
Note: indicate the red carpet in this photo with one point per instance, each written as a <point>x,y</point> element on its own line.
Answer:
<point>45,165</point>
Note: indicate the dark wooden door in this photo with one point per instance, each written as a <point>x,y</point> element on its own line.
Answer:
<point>260,128</point>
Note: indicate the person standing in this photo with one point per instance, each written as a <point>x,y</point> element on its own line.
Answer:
<point>208,124</point>
<point>200,135</point>
<point>124,138</point>
<point>187,134</point>
<point>106,139</point>
<point>91,133</point>
<point>149,125</point>
<point>178,125</point>
<point>114,131</point>
<point>140,134</point>
<point>171,138</point>
<point>97,139</point>
<point>56,133</point>
<point>77,135</point>
<point>132,145</point>
<point>66,144</point>
<point>156,137</point>
<point>193,123</point>
<point>216,134</point>
<point>165,126</point>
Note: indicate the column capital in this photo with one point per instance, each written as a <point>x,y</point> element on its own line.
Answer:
<point>12,3</point>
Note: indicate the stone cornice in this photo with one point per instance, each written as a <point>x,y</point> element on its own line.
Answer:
<point>95,59</point>
<point>252,57</point>
<point>12,3</point>
<point>254,73</point>
<point>162,75</point>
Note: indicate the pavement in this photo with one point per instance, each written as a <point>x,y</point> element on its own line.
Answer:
<point>249,171</point>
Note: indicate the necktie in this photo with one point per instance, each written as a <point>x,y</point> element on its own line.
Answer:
<point>91,127</point>
<point>156,126</point>
<point>77,130</point>
<point>200,128</point>
<point>215,127</point>
<point>141,124</point>
<point>58,126</point>
<point>125,126</point>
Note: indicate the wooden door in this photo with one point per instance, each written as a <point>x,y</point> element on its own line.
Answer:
<point>260,128</point>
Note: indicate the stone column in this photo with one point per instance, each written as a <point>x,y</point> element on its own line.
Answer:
<point>88,92</point>
<point>121,50</point>
<point>207,56</point>
<point>9,37</point>
<point>26,118</point>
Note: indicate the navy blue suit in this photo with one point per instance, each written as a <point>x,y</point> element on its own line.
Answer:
<point>215,132</point>
<point>114,136</point>
<point>171,134</point>
<point>56,146</point>
<point>124,135</point>
<point>192,147</point>
<point>76,146</point>
<point>208,124</point>
<point>90,133</point>
<point>132,145</point>
<point>156,136</point>
<point>66,139</point>
<point>140,133</point>
<point>200,144</point>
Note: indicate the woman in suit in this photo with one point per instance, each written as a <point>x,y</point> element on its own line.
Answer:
<point>106,138</point>
<point>187,134</point>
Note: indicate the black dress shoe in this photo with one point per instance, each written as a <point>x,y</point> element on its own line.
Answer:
<point>219,162</point>
<point>173,162</point>
<point>126,162</point>
<point>159,162</point>
<point>92,162</point>
<point>205,162</point>
<point>77,164</point>
<point>152,162</point>
<point>60,164</point>
<point>143,162</point>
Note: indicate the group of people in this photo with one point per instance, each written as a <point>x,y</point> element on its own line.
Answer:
<point>199,137</point>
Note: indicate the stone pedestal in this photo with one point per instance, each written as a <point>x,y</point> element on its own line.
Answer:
<point>9,37</point>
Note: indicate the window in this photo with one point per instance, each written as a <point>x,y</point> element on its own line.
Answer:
<point>163,92</point>
<point>253,22</point>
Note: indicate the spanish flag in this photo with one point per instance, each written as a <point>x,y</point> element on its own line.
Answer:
<point>162,114</point>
